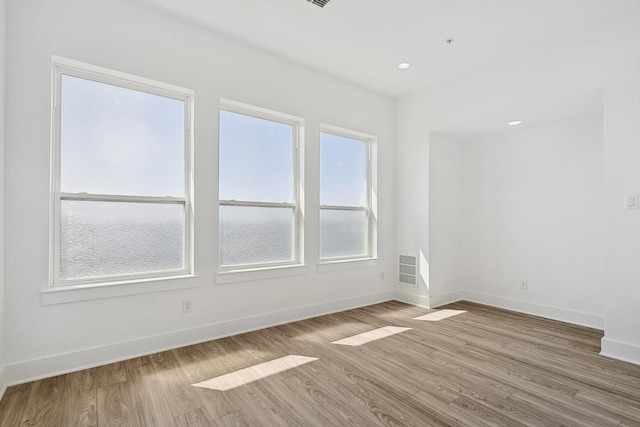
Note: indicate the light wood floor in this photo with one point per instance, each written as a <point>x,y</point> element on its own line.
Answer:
<point>483,367</point>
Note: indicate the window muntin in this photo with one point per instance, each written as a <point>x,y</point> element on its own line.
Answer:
<point>121,172</point>
<point>259,179</point>
<point>346,219</point>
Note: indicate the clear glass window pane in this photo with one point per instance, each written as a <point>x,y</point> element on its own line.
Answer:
<point>113,238</point>
<point>343,171</point>
<point>256,159</point>
<point>343,233</point>
<point>120,141</point>
<point>255,235</point>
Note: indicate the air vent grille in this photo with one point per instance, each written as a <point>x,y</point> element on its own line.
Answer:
<point>407,270</point>
<point>321,3</point>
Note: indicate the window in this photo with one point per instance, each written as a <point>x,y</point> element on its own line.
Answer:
<point>347,220</point>
<point>121,177</point>
<point>260,216</point>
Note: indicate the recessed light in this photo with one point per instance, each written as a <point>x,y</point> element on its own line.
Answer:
<point>515,122</point>
<point>404,65</point>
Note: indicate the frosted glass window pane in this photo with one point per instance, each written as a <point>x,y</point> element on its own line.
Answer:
<point>343,171</point>
<point>343,233</point>
<point>256,159</point>
<point>112,238</point>
<point>120,141</point>
<point>254,235</point>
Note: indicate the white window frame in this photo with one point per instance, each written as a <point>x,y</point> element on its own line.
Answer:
<point>63,66</point>
<point>371,207</point>
<point>297,124</point>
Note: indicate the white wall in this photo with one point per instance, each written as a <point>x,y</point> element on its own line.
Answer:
<point>412,200</point>
<point>622,177</point>
<point>41,340</point>
<point>520,205</point>
<point>446,219</point>
<point>558,79</point>
<point>554,81</point>
<point>2,168</point>
<point>532,207</point>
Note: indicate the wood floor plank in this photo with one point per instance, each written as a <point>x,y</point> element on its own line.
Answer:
<point>195,418</point>
<point>440,413</point>
<point>627,422</point>
<point>387,408</point>
<point>116,406</point>
<point>265,407</point>
<point>147,386</point>
<point>304,409</point>
<point>12,407</point>
<point>236,419</point>
<point>178,393</point>
<point>110,374</point>
<point>488,415</point>
<point>483,367</point>
<point>628,387</point>
<point>611,401</point>
<point>470,377</point>
<point>331,405</point>
<point>346,410</point>
<point>517,372</point>
<point>80,409</point>
<point>560,363</point>
<point>44,404</point>
<point>499,410</point>
<point>564,412</point>
<point>326,383</point>
<point>192,362</point>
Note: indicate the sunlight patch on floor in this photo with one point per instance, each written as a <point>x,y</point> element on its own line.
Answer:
<point>254,373</point>
<point>367,337</point>
<point>439,315</point>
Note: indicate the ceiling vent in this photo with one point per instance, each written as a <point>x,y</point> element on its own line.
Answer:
<point>321,3</point>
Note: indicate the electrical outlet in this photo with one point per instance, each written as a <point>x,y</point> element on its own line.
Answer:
<point>382,276</point>
<point>187,306</point>
<point>524,285</point>
<point>631,202</point>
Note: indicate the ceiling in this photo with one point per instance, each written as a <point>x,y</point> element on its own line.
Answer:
<point>363,41</point>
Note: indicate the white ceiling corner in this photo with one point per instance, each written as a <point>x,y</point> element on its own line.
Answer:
<point>363,41</point>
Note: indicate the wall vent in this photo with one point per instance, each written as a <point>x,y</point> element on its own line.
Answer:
<point>321,3</point>
<point>408,270</point>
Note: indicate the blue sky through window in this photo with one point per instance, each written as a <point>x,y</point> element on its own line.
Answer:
<point>120,141</point>
<point>343,171</point>
<point>256,159</point>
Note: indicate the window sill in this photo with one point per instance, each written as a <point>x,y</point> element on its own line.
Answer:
<point>234,276</point>
<point>346,264</point>
<point>76,293</point>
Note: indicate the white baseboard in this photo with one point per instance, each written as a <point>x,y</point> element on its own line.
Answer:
<point>49,366</point>
<point>556,313</point>
<point>620,350</point>
<point>3,381</point>
<point>443,299</point>
<point>413,299</point>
